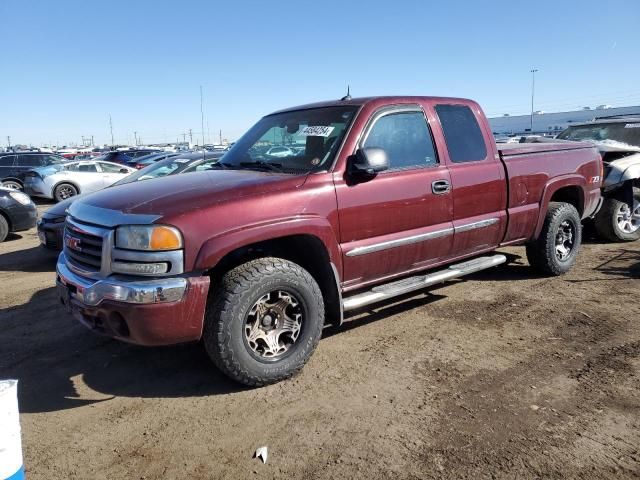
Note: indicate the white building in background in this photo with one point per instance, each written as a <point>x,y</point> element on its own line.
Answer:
<point>553,123</point>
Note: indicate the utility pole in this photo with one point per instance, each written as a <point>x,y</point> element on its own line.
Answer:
<point>111,128</point>
<point>8,141</point>
<point>184,138</point>
<point>202,121</point>
<point>220,136</point>
<point>135,135</point>
<point>533,92</point>
<point>190,137</point>
<point>92,144</point>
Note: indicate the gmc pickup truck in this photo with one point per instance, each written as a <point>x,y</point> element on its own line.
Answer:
<point>365,200</point>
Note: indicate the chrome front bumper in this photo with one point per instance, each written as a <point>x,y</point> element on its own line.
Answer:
<point>93,292</point>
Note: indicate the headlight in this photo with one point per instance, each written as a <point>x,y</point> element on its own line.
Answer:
<point>20,198</point>
<point>148,237</point>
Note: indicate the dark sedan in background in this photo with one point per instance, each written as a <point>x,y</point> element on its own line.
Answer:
<point>51,225</point>
<point>14,166</point>
<point>17,212</point>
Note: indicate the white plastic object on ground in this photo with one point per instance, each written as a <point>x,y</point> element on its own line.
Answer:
<point>262,454</point>
<point>10,444</point>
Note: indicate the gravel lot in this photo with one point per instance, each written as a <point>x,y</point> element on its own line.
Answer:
<point>506,374</point>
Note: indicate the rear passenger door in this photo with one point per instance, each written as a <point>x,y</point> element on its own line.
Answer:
<point>6,166</point>
<point>86,176</point>
<point>478,181</point>
<point>394,222</point>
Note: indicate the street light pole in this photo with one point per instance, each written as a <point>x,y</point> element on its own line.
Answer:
<point>533,92</point>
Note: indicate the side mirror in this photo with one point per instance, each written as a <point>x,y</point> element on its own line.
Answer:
<point>370,160</point>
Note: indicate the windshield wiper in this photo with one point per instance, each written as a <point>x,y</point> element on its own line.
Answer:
<point>220,165</point>
<point>274,167</point>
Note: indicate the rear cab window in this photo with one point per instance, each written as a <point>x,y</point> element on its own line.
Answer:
<point>462,133</point>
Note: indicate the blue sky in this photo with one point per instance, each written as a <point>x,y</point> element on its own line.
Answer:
<point>67,65</point>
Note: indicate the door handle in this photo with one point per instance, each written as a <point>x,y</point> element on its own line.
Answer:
<point>440,187</point>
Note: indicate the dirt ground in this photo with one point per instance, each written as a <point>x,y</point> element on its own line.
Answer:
<point>506,374</point>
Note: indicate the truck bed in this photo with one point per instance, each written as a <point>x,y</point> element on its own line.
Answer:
<point>530,167</point>
<point>514,149</point>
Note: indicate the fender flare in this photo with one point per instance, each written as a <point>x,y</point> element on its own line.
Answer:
<point>555,184</point>
<point>217,247</point>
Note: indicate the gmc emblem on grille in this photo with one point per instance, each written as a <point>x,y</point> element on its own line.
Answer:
<point>72,242</point>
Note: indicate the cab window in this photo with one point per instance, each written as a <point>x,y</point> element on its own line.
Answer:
<point>406,138</point>
<point>462,133</point>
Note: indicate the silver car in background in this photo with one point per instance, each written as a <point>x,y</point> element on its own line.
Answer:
<point>68,179</point>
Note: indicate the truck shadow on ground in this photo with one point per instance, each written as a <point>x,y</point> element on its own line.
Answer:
<point>62,365</point>
<point>32,260</point>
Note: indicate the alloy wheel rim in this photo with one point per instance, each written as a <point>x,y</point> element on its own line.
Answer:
<point>629,219</point>
<point>66,192</point>
<point>11,186</point>
<point>565,238</point>
<point>273,324</point>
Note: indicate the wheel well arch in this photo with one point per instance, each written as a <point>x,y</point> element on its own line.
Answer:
<point>571,194</point>
<point>305,250</point>
<point>61,182</point>
<point>13,179</point>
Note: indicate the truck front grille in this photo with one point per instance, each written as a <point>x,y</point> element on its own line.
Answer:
<point>83,247</point>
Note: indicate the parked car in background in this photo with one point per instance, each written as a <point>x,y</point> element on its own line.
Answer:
<point>64,180</point>
<point>279,151</point>
<point>618,139</point>
<point>17,212</point>
<point>125,157</point>
<point>14,166</point>
<point>145,160</point>
<point>51,224</point>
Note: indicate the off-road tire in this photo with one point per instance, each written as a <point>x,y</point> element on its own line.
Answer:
<point>606,221</point>
<point>58,192</point>
<point>541,253</point>
<point>230,301</point>
<point>4,228</point>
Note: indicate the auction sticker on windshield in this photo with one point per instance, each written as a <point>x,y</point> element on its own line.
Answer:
<point>316,131</point>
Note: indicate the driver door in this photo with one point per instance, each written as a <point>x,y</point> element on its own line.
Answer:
<point>111,173</point>
<point>396,221</point>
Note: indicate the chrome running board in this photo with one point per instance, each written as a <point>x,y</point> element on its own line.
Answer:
<point>407,285</point>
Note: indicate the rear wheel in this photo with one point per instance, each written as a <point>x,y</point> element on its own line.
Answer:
<point>4,228</point>
<point>263,321</point>
<point>12,184</point>
<point>617,221</point>
<point>556,249</point>
<point>64,191</point>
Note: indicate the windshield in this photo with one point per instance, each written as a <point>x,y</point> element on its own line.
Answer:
<point>628,133</point>
<point>292,142</point>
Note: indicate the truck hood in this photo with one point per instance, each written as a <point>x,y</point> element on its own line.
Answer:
<point>176,194</point>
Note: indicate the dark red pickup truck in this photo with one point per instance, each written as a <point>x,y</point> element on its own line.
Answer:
<point>315,211</point>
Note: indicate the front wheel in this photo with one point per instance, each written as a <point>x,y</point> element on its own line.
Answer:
<point>4,229</point>
<point>554,252</point>
<point>618,222</point>
<point>263,321</point>
<point>64,191</point>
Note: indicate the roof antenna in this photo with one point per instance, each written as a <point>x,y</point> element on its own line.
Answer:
<point>347,96</point>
